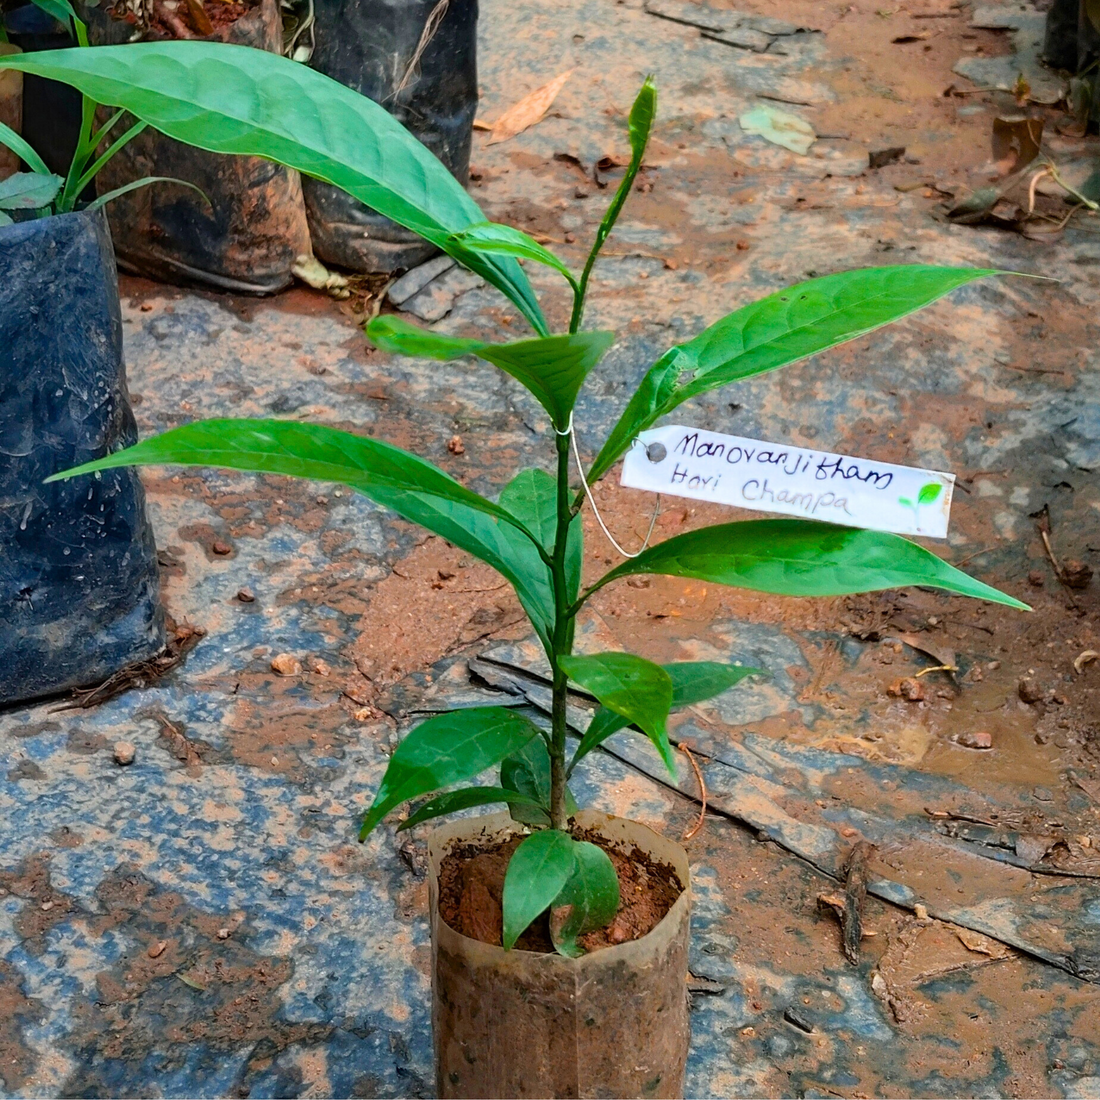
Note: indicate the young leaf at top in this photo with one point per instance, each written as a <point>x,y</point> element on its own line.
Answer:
<point>553,368</point>
<point>538,870</point>
<point>447,749</point>
<point>641,122</point>
<point>465,799</point>
<point>588,900</point>
<point>631,686</point>
<point>794,557</point>
<point>505,240</point>
<point>528,772</point>
<point>692,682</point>
<point>780,329</point>
<point>415,489</point>
<point>29,191</point>
<point>233,99</point>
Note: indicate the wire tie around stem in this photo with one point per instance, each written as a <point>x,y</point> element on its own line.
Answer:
<point>569,430</point>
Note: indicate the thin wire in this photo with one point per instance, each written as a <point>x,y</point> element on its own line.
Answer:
<point>592,500</point>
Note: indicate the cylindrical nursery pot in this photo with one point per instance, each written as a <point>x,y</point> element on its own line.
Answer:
<point>78,571</point>
<point>253,229</point>
<point>371,46</point>
<point>613,1023</point>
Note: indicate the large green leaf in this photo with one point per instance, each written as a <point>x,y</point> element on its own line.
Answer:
<point>531,496</point>
<point>631,686</point>
<point>505,240</point>
<point>588,900</point>
<point>465,799</point>
<point>537,871</point>
<point>446,749</point>
<point>390,476</point>
<point>233,99</point>
<point>553,368</point>
<point>528,771</point>
<point>692,682</point>
<point>642,114</point>
<point>29,191</point>
<point>794,557</point>
<point>775,331</point>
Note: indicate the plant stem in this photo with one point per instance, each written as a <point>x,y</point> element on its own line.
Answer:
<point>562,640</point>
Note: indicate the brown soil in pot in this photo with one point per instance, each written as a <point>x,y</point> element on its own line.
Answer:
<point>471,883</point>
<point>181,22</point>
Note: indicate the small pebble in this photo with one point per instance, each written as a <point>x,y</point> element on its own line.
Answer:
<point>286,664</point>
<point>975,739</point>
<point>157,949</point>
<point>456,446</point>
<point>910,688</point>
<point>46,906</point>
<point>222,548</point>
<point>223,933</point>
<point>1029,691</point>
<point>246,595</point>
<point>1041,794</point>
<point>124,753</point>
<point>322,668</point>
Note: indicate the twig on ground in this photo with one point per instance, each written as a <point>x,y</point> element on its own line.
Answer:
<point>690,832</point>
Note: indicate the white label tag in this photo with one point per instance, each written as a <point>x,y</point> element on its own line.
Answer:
<point>773,477</point>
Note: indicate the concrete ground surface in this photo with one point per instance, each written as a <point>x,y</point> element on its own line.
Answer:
<point>203,923</point>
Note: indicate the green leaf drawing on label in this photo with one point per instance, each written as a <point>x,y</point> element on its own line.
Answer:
<point>929,493</point>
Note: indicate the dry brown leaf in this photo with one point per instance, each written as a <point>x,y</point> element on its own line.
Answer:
<point>528,110</point>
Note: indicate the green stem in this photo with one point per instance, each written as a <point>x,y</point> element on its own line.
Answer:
<point>562,642</point>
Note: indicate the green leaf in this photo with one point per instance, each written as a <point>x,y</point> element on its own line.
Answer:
<point>390,476</point>
<point>10,139</point>
<point>464,799</point>
<point>492,237</point>
<point>394,335</point>
<point>61,10</point>
<point>233,99</point>
<point>929,493</point>
<point>631,686</point>
<point>588,900</point>
<point>28,191</point>
<point>692,682</point>
<point>538,870</point>
<point>777,330</point>
<point>905,502</point>
<point>446,749</point>
<point>118,192</point>
<point>642,114</point>
<point>794,557</point>
<point>531,496</point>
<point>553,368</point>
<point>528,771</point>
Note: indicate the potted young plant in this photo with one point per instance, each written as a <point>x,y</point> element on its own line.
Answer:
<point>586,1004</point>
<point>79,588</point>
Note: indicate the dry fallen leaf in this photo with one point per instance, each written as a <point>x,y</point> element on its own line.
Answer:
<point>528,110</point>
<point>1083,659</point>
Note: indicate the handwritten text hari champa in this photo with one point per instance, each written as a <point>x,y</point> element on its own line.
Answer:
<point>751,473</point>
